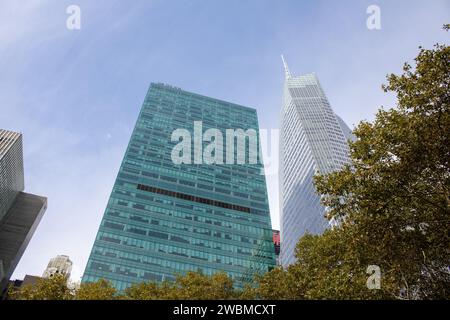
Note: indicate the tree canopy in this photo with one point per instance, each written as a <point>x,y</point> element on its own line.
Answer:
<point>392,203</point>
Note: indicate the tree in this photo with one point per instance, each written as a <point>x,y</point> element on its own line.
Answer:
<point>54,288</point>
<point>99,290</point>
<point>149,291</point>
<point>278,284</point>
<point>192,286</point>
<point>200,287</point>
<point>393,202</point>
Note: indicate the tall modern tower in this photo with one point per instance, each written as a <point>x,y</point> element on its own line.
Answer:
<point>313,139</point>
<point>20,213</point>
<point>164,218</point>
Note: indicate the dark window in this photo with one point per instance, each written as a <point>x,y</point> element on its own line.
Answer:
<point>143,196</point>
<point>137,231</point>
<point>178,239</point>
<point>113,225</point>
<point>140,219</point>
<point>139,206</point>
<point>105,238</point>
<point>192,198</point>
<point>168,178</point>
<point>100,266</point>
<point>152,276</point>
<point>188,183</point>
<point>158,234</point>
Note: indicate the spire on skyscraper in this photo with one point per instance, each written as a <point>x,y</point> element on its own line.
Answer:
<point>286,68</point>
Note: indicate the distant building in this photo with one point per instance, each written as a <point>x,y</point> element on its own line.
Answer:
<point>313,139</point>
<point>20,213</point>
<point>277,244</point>
<point>60,264</point>
<point>17,284</point>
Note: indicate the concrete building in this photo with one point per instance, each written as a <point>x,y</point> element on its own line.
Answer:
<point>60,264</point>
<point>20,213</point>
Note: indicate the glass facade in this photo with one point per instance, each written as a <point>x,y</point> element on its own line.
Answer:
<point>164,218</point>
<point>313,139</point>
<point>11,169</point>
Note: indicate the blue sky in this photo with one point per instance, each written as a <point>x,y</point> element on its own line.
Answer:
<point>75,94</point>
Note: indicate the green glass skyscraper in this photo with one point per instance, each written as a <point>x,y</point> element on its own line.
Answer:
<point>165,218</point>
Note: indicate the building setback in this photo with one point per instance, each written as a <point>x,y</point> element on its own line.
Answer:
<point>312,139</point>
<point>164,218</point>
<point>20,213</point>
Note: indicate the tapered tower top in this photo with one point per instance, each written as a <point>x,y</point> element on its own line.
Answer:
<point>287,73</point>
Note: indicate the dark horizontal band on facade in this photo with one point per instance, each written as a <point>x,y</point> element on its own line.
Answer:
<point>193,198</point>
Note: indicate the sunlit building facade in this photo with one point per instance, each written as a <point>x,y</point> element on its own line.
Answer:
<point>313,139</point>
<point>60,264</point>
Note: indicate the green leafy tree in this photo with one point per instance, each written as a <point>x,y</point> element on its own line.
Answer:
<point>149,291</point>
<point>326,268</point>
<point>278,284</point>
<point>54,288</point>
<point>198,286</point>
<point>330,267</point>
<point>393,203</point>
<point>99,290</point>
<point>192,286</point>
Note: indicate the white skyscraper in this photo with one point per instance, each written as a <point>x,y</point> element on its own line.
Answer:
<point>312,139</point>
<point>59,265</point>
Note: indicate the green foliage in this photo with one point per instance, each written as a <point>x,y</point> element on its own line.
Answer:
<point>54,288</point>
<point>192,286</point>
<point>100,290</point>
<point>392,204</point>
<point>394,201</point>
<point>150,291</point>
<point>277,284</point>
<point>201,287</point>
